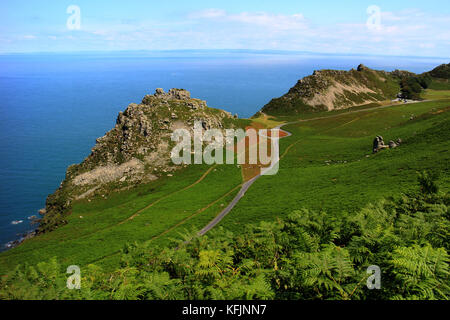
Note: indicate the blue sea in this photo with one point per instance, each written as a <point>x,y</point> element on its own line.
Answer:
<point>54,106</point>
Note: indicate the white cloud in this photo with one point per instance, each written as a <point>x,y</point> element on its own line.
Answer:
<point>260,19</point>
<point>408,32</point>
<point>29,37</point>
<point>207,14</point>
<point>405,32</point>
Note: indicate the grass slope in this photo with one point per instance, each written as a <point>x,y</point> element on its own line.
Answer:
<point>329,164</point>
<point>105,226</point>
<point>326,164</point>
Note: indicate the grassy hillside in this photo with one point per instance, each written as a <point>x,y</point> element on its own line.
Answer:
<point>307,255</point>
<point>327,90</point>
<point>97,230</point>
<point>441,72</point>
<point>326,165</point>
<point>136,151</point>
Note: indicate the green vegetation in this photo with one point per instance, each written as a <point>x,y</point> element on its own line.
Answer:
<point>331,89</point>
<point>436,79</point>
<point>328,163</point>
<point>441,72</point>
<point>136,151</point>
<point>412,86</point>
<point>307,255</point>
<point>439,84</point>
<point>308,232</point>
<point>97,230</point>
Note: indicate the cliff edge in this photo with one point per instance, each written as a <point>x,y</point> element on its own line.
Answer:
<point>135,151</point>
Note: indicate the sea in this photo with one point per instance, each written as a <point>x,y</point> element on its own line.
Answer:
<point>54,105</point>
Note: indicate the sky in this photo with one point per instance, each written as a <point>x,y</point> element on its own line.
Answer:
<point>409,28</point>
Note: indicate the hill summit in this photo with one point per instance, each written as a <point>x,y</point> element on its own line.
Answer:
<point>441,72</point>
<point>135,151</point>
<point>336,89</point>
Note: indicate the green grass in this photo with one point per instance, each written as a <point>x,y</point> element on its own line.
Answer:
<point>100,233</point>
<point>440,84</point>
<point>327,164</point>
<point>436,94</point>
<point>354,176</point>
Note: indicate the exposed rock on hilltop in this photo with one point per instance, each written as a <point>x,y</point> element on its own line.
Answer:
<point>136,150</point>
<point>335,89</point>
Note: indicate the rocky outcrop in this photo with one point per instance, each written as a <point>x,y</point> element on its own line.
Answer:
<point>173,94</point>
<point>135,151</point>
<point>335,89</point>
<point>378,144</point>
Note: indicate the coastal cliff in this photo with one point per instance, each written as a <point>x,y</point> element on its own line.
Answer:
<point>135,151</point>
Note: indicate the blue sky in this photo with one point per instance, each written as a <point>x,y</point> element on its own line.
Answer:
<point>418,28</point>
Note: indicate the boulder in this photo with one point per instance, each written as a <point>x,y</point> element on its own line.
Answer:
<point>378,144</point>
<point>180,94</point>
<point>362,67</point>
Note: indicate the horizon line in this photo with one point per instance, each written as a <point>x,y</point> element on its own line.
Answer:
<point>260,51</point>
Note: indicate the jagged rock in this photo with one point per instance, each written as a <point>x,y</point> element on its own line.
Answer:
<point>136,150</point>
<point>362,67</point>
<point>180,94</point>
<point>378,144</point>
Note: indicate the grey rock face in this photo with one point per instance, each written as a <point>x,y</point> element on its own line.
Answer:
<point>392,144</point>
<point>179,94</point>
<point>378,144</point>
<point>174,95</point>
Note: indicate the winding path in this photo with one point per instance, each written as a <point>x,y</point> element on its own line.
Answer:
<point>244,189</point>
<point>247,184</point>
